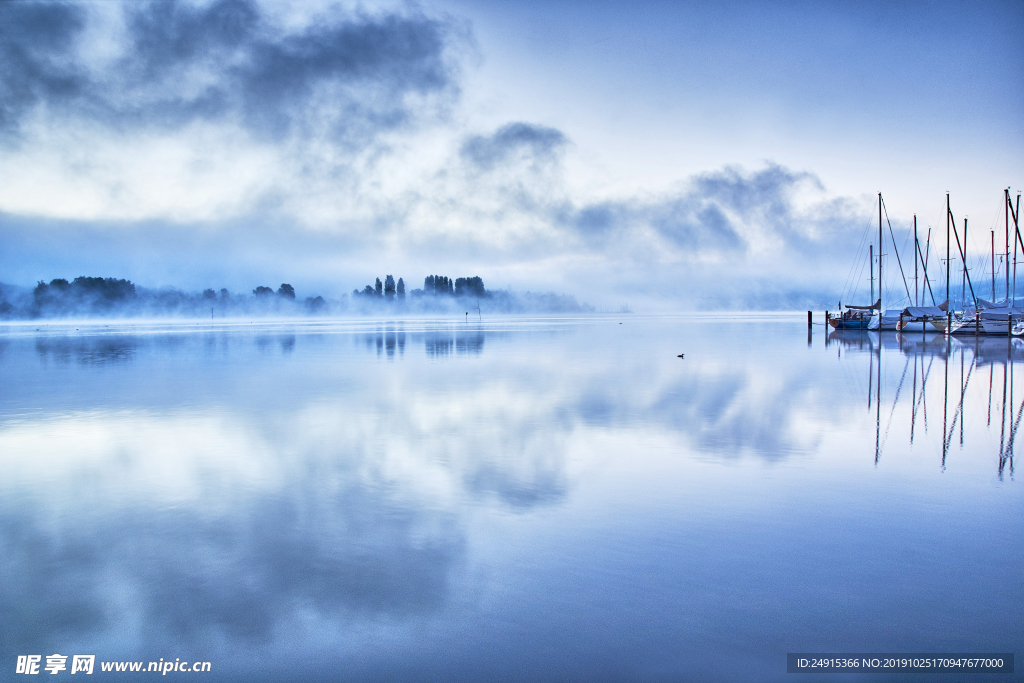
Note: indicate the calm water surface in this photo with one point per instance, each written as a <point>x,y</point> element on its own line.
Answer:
<point>551,500</point>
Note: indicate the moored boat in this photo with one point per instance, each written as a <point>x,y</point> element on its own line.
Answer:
<point>997,319</point>
<point>923,319</point>
<point>855,317</point>
<point>887,322</point>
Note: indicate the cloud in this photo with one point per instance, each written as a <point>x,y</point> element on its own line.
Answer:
<point>536,143</point>
<point>169,63</point>
<point>731,212</point>
<point>720,237</point>
<point>222,142</point>
<point>199,112</point>
<point>35,64</point>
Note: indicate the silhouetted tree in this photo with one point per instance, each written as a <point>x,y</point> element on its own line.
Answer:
<point>315,305</point>
<point>41,292</point>
<point>401,288</point>
<point>469,286</point>
<point>98,289</point>
<point>438,284</point>
<point>378,287</point>
<point>209,294</point>
<point>83,293</point>
<point>262,292</point>
<point>286,291</point>
<point>389,287</point>
<point>224,294</point>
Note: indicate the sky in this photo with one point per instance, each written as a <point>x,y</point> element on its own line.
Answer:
<point>651,154</point>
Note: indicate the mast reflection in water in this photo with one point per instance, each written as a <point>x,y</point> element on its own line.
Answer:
<point>964,357</point>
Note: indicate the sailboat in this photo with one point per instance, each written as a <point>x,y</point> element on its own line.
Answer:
<point>887,320</point>
<point>855,317</point>
<point>999,318</point>
<point>862,317</point>
<point>923,319</point>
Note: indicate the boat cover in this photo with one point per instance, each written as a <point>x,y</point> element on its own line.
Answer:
<point>922,311</point>
<point>1001,313</point>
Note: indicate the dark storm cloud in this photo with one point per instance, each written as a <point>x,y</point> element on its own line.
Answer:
<point>35,40</point>
<point>225,60</point>
<point>539,143</point>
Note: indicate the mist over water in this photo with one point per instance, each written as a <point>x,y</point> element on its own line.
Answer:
<point>507,498</point>
<point>98,298</point>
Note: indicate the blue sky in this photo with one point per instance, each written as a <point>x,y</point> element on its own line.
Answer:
<point>668,153</point>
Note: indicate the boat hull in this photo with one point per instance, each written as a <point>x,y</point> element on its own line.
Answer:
<point>840,324</point>
<point>992,328</point>
<point>933,325</point>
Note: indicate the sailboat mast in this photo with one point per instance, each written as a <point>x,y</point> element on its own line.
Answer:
<point>879,261</point>
<point>916,247</point>
<point>871,263</point>
<point>993,266</point>
<point>1016,231</point>
<point>963,294</point>
<point>949,310</point>
<point>1006,263</point>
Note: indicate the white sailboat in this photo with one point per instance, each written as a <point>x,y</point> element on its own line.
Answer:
<point>923,319</point>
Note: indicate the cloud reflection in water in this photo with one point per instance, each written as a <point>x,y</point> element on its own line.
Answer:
<point>249,488</point>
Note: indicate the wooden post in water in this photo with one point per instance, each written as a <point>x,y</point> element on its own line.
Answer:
<point>808,320</point>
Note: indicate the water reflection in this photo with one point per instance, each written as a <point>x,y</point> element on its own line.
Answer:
<point>240,574</point>
<point>442,344</point>
<point>385,340</point>
<point>852,339</point>
<point>86,350</point>
<point>266,342</point>
<point>279,492</point>
<point>960,359</point>
<point>246,514</point>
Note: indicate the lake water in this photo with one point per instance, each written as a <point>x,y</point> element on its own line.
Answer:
<point>506,500</point>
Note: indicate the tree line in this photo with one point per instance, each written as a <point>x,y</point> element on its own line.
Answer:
<point>433,285</point>
<point>112,297</point>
